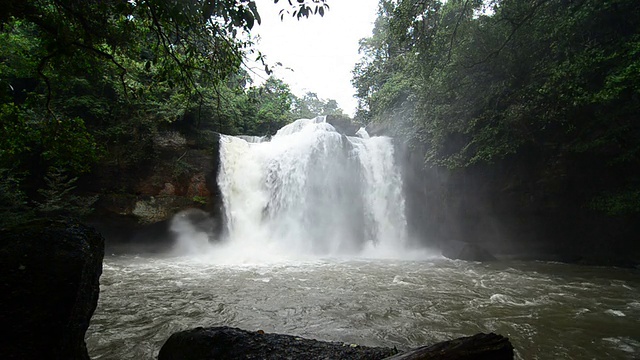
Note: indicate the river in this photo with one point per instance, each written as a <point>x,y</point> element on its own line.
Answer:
<point>316,245</point>
<point>548,310</point>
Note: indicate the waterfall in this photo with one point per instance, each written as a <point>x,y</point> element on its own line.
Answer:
<point>311,191</point>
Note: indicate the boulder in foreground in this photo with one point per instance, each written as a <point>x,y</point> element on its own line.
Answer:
<point>49,286</point>
<point>222,343</point>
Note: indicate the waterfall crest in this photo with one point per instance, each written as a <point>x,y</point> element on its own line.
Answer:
<point>311,191</point>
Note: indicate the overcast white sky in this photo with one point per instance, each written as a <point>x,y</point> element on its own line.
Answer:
<point>322,51</point>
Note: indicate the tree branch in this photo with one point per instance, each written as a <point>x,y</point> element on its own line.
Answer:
<point>517,26</point>
<point>455,30</point>
<point>108,57</point>
<point>43,62</point>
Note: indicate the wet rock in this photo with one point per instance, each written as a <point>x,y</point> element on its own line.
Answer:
<point>378,129</point>
<point>459,250</point>
<point>49,286</point>
<point>152,210</point>
<point>198,187</point>
<point>124,234</point>
<point>170,140</point>
<point>198,221</point>
<point>168,189</point>
<point>477,347</point>
<point>137,203</point>
<point>222,343</point>
<point>343,124</point>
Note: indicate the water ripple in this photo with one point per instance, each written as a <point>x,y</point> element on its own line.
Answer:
<point>549,311</point>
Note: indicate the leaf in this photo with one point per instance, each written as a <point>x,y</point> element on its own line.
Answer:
<point>254,10</point>
<point>208,9</point>
<point>248,18</point>
<point>304,11</point>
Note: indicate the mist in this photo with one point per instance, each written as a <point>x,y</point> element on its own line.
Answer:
<point>307,192</point>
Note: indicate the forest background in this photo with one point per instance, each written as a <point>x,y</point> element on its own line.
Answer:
<point>535,102</point>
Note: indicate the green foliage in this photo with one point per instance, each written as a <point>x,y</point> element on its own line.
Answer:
<point>20,50</point>
<point>264,109</point>
<point>304,8</point>
<point>25,137</point>
<point>477,82</point>
<point>620,203</point>
<point>181,168</point>
<point>272,102</point>
<point>199,200</point>
<point>57,199</point>
<point>86,83</point>
<point>69,146</point>
<point>14,206</point>
<point>16,134</point>
<point>310,106</point>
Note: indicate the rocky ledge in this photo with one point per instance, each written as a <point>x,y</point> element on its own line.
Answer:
<point>223,343</point>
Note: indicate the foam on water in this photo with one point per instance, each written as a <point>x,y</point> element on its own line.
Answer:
<point>310,192</point>
<point>541,307</point>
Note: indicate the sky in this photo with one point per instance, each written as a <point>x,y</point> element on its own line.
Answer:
<point>320,51</point>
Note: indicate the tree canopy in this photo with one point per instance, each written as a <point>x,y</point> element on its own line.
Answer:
<point>478,82</point>
<point>87,82</point>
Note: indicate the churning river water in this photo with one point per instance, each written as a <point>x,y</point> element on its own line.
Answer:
<point>548,310</point>
<point>313,219</point>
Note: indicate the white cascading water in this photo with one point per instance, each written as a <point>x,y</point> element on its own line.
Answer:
<point>310,191</point>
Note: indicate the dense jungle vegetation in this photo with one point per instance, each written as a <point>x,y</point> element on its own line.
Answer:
<point>88,83</point>
<point>554,84</point>
<point>546,91</point>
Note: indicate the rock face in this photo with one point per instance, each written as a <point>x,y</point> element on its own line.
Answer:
<point>222,343</point>
<point>49,286</point>
<point>137,202</point>
<point>343,124</point>
<point>516,208</point>
<point>459,250</point>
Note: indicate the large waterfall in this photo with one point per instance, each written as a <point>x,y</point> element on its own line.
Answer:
<point>311,191</point>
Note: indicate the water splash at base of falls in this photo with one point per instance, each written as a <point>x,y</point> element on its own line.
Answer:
<point>307,192</point>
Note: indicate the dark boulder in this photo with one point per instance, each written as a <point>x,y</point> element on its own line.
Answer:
<point>343,124</point>
<point>123,234</point>
<point>460,250</point>
<point>222,343</point>
<point>379,129</point>
<point>49,286</point>
<point>477,347</point>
